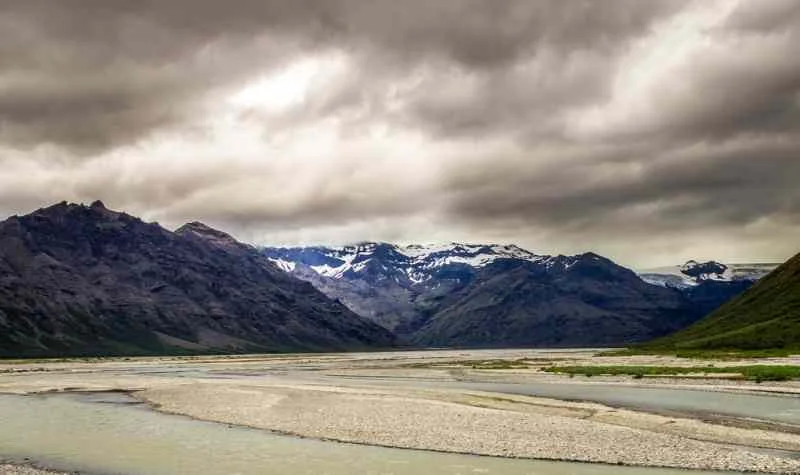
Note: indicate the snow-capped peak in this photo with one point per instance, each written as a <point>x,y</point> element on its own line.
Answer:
<point>416,262</point>
<point>694,273</point>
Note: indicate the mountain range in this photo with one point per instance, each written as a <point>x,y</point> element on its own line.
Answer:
<point>499,295</point>
<point>85,280</point>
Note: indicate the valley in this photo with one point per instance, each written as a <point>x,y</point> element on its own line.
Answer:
<point>349,237</point>
<point>379,358</point>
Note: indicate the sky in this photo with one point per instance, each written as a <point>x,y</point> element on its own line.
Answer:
<point>651,132</point>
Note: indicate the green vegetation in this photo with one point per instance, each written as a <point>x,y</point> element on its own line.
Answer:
<point>755,373</point>
<point>495,364</point>
<point>765,317</point>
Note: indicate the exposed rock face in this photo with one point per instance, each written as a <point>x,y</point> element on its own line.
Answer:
<point>489,295</point>
<point>77,280</point>
<point>704,270</point>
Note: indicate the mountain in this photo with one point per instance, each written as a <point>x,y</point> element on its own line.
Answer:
<point>587,301</point>
<point>389,284</point>
<point>78,280</point>
<point>490,295</point>
<point>767,315</point>
<point>693,273</point>
<point>708,285</point>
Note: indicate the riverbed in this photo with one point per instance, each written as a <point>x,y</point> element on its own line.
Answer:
<point>371,413</point>
<point>108,434</point>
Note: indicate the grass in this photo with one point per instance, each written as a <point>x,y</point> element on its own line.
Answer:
<point>757,373</point>
<point>766,317</point>
<point>496,364</point>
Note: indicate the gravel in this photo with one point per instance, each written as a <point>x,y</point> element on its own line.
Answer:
<point>402,420</point>
<point>7,469</point>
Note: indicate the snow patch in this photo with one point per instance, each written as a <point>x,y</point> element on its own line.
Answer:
<point>286,266</point>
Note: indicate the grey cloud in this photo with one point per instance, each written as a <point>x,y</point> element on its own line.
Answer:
<point>129,68</point>
<point>749,87</point>
<point>478,33</point>
<point>92,75</point>
<point>88,112</point>
<point>671,192</point>
<point>765,16</point>
<point>497,93</point>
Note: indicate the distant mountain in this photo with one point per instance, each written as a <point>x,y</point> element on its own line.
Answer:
<point>490,295</point>
<point>78,280</point>
<point>707,285</point>
<point>694,273</point>
<point>588,301</point>
<point>765,316</point>
<point>396,285</point>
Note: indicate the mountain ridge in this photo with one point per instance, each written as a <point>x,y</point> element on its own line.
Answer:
<point>426,293</point>
<point>80,280</point>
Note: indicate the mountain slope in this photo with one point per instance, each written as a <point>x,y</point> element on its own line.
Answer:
<point>592,301</point>
<point>765,316</point>
<point>389,284</point>
<point>490,295</point>
<point>77,280</point>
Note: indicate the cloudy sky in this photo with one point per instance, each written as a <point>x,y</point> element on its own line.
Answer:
<point>648,131</point>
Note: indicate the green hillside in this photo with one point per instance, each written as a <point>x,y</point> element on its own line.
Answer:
<point>765,316</point>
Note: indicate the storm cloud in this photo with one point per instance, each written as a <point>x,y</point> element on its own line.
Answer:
<point>652,132</point>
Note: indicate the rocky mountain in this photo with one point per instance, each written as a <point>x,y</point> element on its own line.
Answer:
<point>767,315</point>
<point>85,280</point>
<point>490,295</point>
<point>707,285</point>
<point>393,285</point>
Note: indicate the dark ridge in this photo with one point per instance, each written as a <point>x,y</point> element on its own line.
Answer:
<point>85,280</point>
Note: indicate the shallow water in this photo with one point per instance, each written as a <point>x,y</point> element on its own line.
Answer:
<point>781,409</point>
<point>105,433</point>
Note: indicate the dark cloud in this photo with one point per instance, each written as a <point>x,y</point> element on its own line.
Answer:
<point>128,68</point>
<point>767,16</point>
<point>545,122</point>
<point>727,185</point>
